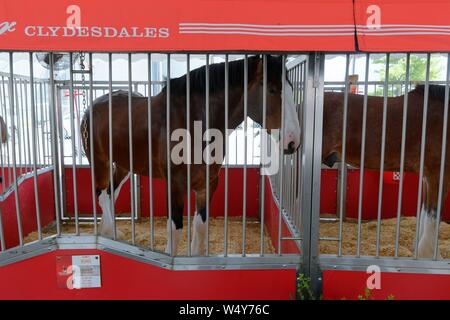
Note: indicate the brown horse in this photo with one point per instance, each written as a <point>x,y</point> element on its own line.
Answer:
<point>178,183</point>
<point>332,143</point>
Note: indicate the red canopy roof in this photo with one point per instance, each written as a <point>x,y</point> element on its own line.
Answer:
<point>405,25</point>
<point>224,25</point>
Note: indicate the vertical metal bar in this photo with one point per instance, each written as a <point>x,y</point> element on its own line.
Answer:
<point>27,114</point>
<point>2,163</point>
<point>442,167</point>
<point>45,110</point>
<point>244,187</point>
<point>17,115</point>
<point>25,121</point>
<point>281,166</point>
<point>314,272</point>
<point>422,150</point>
<point>227,160</point>
<point>2,233</point>
<point>47,123</point>
<point>343,155</point>
<point>16,189</point>
<point>263,153</point>
<point>38,120</point>
<point>74,160</point>
<point>34,134</point>
<point>382,154</point>
<point>188,168</point>
<point>12,130</point>
<point>402,153</point>
<point>43,125</point>
<point>54,145</point>
<point>150,163</point>
<point>169,177</point>
<point>363,147</point>
<point>61,167</point>
<point>76,119</point>
<point>130,142</point>
<point>111,155</point>
<point>207,137</point>
<point>91,144</point>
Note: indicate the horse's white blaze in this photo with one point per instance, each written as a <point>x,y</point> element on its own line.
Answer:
<point>106,226</point>
<point>198,244</point>
<point>176,236</point>
<point>291,124</point>
<point>426,235</point>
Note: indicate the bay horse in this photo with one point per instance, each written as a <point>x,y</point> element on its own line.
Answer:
<point>120,134</point>
<point>332,144</point>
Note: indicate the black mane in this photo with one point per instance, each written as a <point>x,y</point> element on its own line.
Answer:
<point>217,76</point>
<point>434,91</point>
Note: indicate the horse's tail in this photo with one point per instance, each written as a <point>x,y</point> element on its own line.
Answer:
<point>434,91</point>
<point>84,130</point>
<point>4,130</point>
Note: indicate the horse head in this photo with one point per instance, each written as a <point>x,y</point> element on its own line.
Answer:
<point>291,134</point>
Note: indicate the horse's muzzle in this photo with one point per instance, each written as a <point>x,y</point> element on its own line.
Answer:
<point>291,148</point>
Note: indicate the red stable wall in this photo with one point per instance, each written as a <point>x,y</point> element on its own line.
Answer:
<point>28,208</point>
<point>328,193</point>
<point>271,218</point>
<point>36,278</point>
<point>235,194</point>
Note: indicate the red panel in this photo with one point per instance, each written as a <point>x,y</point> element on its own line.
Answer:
<point>328,191</point>
<point>271,218</point>
<point>28,208</point>
<point>286,25</point>
<point>235,194</point>
<point>405,25</point>
<point>35,278</point>
<point>349,284</point>
<point>370,197</point>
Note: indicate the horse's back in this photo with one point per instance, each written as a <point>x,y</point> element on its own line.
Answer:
<point>118,94</point>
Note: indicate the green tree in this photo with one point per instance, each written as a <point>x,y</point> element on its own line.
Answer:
<point>417,70</point>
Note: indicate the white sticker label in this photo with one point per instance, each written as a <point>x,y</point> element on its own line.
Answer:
<point>86,271</point>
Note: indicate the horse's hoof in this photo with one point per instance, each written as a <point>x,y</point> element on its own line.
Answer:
<point>108,233</point>
<point>424,252</point>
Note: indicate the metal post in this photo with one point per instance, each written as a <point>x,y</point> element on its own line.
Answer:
<point>91,145</point>
<point>169,182</point>
<point>443,162</point>
<point>110,142</point>
<point>34,134</point>
<point>74,159</point>
<point>54,146</point>
<point>422,152</point>
<point>16,189</point>
<point>244,187</point>
<point>189,145</point>
<point>208,139</point>
<point>342,173</point>
<point>363,146</point>
<point>311,167</point>
<point>150,172</point>
<point>263,153</point>
<point>402,154</point>
<point>130,144</point>
<point>382,154</point>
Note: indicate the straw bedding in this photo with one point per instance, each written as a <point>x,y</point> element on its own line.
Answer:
<point>388,235</point>
<point>216,234</point>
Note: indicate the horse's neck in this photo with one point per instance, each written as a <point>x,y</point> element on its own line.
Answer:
<point>236,109</point>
